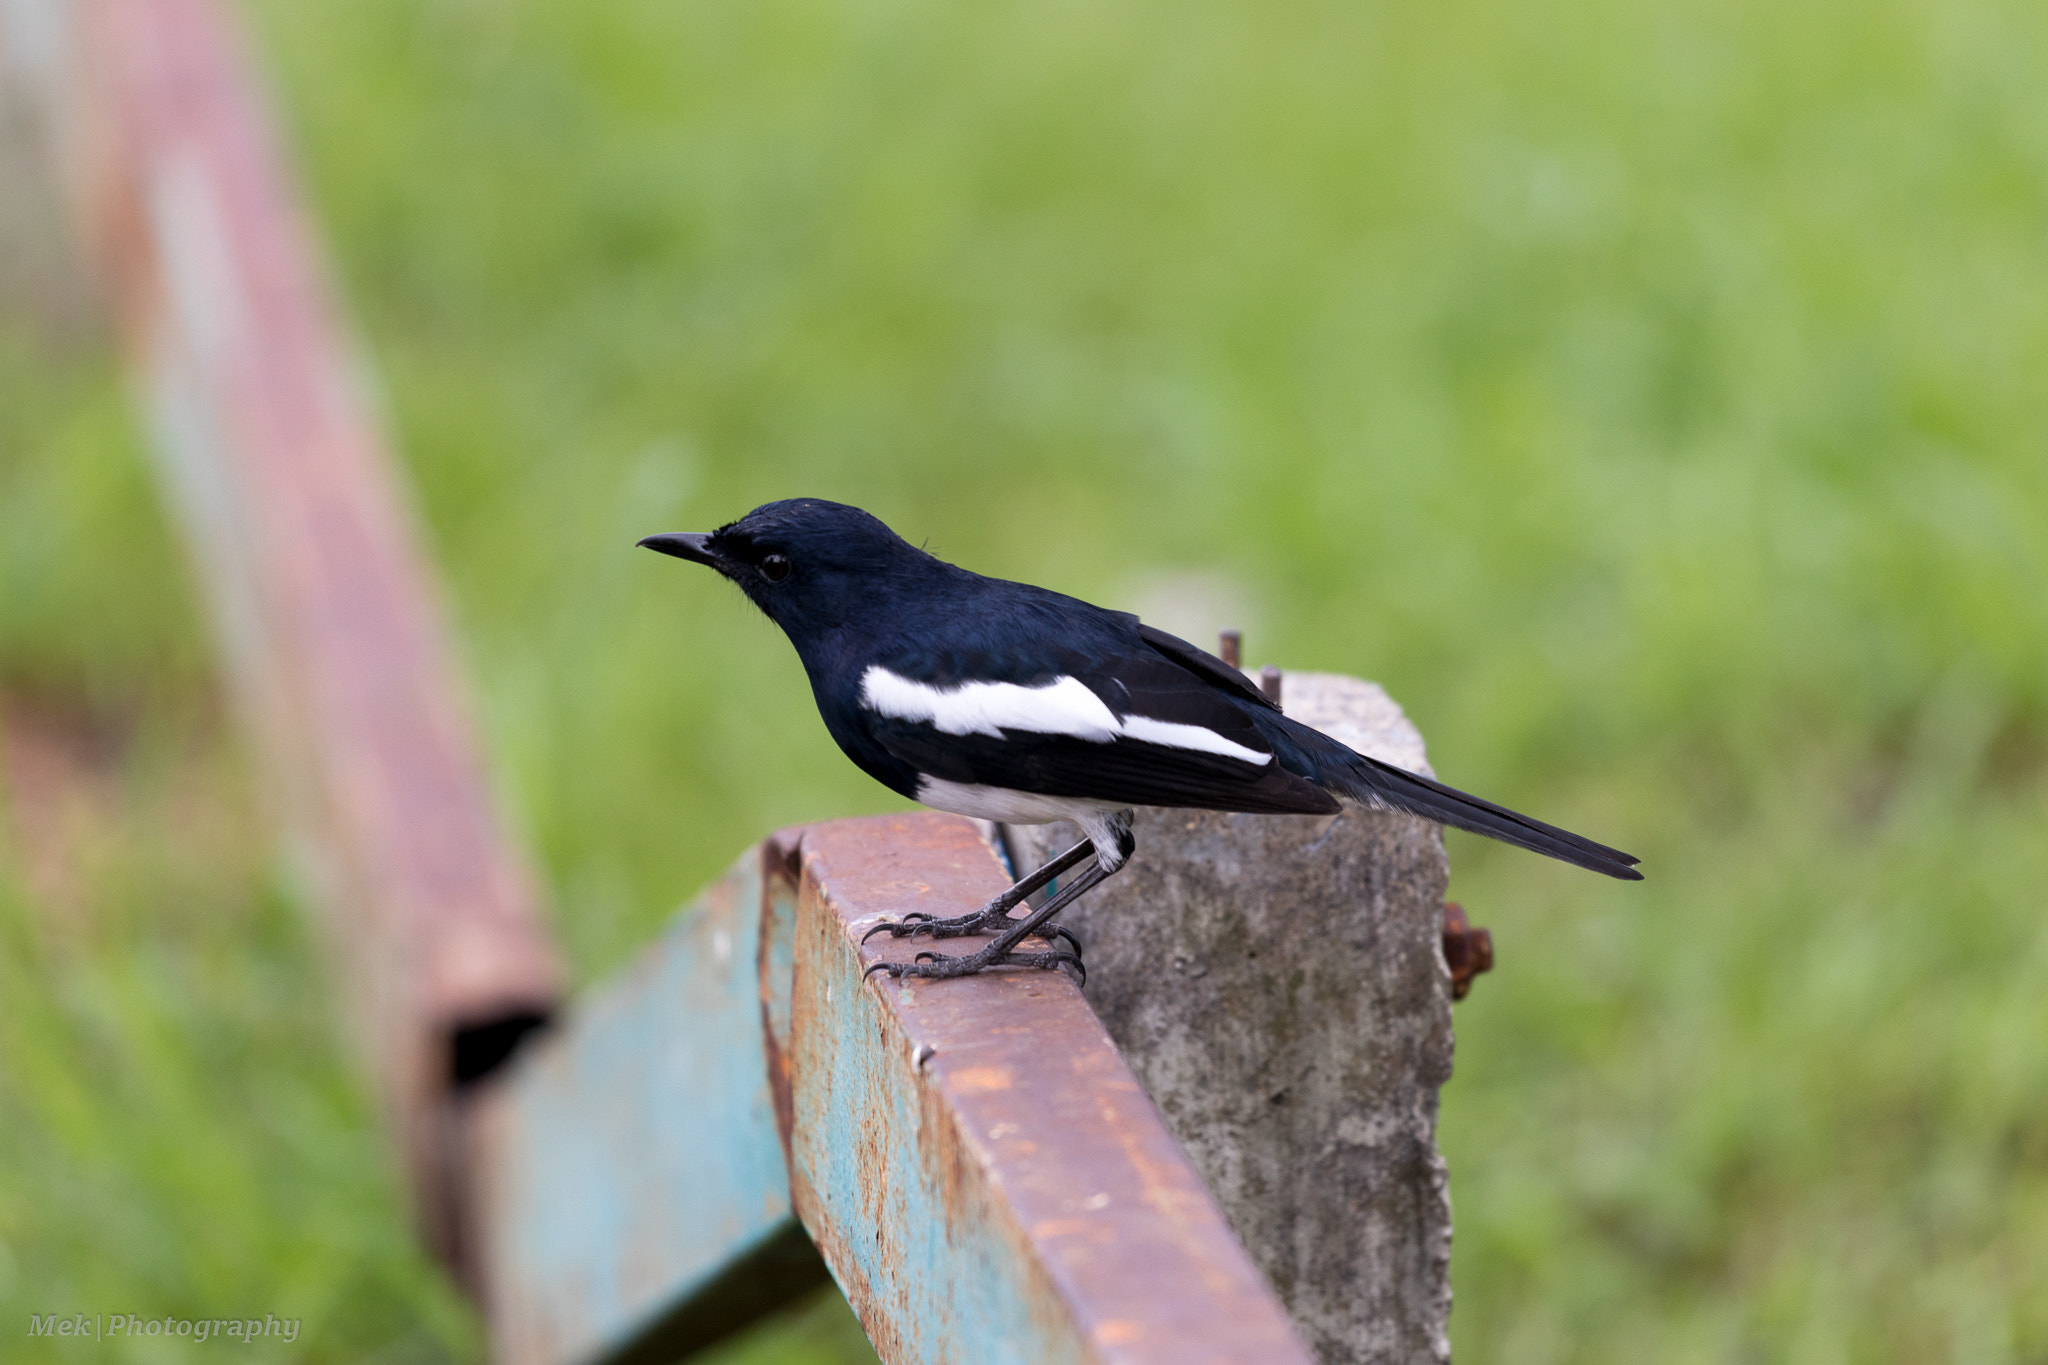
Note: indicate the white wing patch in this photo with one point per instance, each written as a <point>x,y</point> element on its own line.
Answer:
<point>1063,706</point>
<point>1177,736</point>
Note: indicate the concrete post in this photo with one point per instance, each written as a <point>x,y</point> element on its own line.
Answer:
<point>1277,983</point>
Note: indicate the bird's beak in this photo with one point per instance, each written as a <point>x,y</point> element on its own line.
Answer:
<point>693,545</point>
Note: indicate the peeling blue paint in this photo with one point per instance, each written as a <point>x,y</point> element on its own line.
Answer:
<point>634,1154</point>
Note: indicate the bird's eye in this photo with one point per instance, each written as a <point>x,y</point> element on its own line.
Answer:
<point>774,568</point>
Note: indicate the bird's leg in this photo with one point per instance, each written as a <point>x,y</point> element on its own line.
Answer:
<point>1002,951</point>
<point>996,914</point>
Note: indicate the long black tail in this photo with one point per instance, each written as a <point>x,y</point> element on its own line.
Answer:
<point>1373,783</point>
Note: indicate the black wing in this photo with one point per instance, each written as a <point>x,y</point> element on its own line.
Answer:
<point>1186,742</point>
<point>1206,665</point>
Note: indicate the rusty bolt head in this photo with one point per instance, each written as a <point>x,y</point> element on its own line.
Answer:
<point>1467,951</point>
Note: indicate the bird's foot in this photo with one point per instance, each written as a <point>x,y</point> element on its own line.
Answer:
<point>987,920</point>
<point>938,965</point>
<point>993,918</point>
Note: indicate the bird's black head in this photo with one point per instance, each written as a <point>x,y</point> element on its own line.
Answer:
<point>811,565</point>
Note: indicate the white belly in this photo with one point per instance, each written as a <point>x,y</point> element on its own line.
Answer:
<point>1009,807</point>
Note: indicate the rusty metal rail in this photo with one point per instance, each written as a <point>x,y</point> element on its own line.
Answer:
<point>979,1169</point>
<point>327,612</point>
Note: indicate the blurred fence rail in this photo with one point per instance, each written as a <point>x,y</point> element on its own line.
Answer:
<point>326,609</point>
<point>743,1113</point>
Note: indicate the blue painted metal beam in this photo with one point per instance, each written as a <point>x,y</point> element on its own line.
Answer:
<point>977,1166</point>
<point>632,1161</point>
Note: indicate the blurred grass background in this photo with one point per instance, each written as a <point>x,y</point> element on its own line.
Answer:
<point>1651,396</point>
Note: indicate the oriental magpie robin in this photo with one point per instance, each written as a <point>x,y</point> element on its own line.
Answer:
<point>1007,702</point>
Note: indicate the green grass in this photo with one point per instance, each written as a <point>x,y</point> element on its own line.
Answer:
<point>1649,396</point>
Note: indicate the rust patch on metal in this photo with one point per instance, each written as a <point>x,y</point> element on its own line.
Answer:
<point>783,852</point>
<point>781,885</point>
<point>1468,951</point>
<point>976,1080</point>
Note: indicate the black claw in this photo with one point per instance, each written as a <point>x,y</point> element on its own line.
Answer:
<point>916,922</point>
<point>1051,961</point>
<point>1049,932</point>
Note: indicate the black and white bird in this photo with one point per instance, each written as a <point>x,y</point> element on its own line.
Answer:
<point>1007,702</point>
